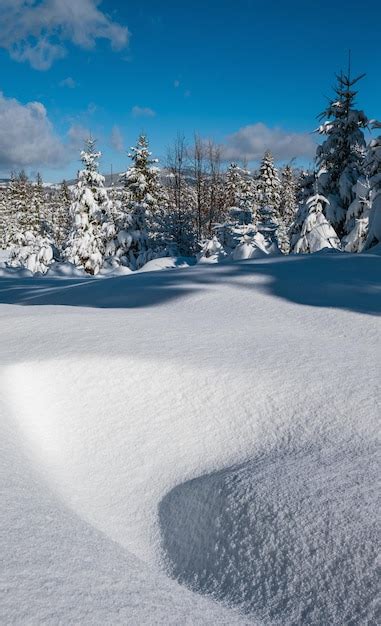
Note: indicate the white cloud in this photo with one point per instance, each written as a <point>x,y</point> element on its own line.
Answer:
<point>68,82</point>
<point>37,32</point>
<point>28,139</point>
<point>27,136</point>
<point>116,139</point>
<point>142,112</point>
<point>176,84</point>
<point>250,142</point>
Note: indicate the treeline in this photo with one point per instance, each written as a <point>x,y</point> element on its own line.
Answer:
<point>201,208</point>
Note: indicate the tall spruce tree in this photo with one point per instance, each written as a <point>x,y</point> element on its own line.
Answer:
<point>269,187</point>
<point>288,203</point>
<point>373,170</point>
<point>233,184</point>
<point>86,243</point>
<point>340,158</point>
<point>4,216</point>
<point>30,247</point>
<point>240,194</point>
<point>139,213</point>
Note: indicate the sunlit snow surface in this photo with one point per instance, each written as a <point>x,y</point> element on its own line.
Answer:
<point>214,424</point>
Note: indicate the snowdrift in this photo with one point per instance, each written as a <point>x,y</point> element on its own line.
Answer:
<point>215,425</point>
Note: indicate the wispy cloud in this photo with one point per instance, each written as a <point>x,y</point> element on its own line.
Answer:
<point>250,142</point>
<point>116,139</point>
<point>77,135</point>
<point>68,82</point>
<point>37,33</point>
<point>92,108</point>
<point>138,111</point>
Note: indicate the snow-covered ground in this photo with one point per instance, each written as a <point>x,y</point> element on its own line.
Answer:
<point>217,424</point>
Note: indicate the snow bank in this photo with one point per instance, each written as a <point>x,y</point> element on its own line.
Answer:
<point>252,377</point>
<point>170,262</point>
<point>269,536</point>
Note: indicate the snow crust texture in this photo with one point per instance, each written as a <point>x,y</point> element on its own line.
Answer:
<point>291,537</point>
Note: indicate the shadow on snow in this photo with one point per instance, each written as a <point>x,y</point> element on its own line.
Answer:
<point>343,281</point>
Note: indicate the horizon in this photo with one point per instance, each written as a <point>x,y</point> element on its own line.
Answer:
<point>111,70</point>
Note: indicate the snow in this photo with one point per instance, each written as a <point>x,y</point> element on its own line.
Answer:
<point>217,424</point>
<point>169,262</point>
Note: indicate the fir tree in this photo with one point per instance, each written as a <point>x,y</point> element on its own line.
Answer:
<point>358,217</point>
<point>373,169</point>
<point>236,239</point>
<point>86,242</point>
<point>30,247</point>
<point>38,208</point>
<point>59,221</point>
<point>62,221</point>
<point>340,158</point>
<point>233,183</point>
<point>20,197</point>
<point>287,209</point>
<point>240,194</point>
<point>316,232</point>
<point>4,217</point>
<point>269,187</point>
<point>138,215</point>
<point>288,204</point>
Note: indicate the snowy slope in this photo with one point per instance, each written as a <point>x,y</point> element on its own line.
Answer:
<point>217,424</point>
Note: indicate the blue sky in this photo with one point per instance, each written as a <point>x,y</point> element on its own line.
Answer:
<point>248,74</point>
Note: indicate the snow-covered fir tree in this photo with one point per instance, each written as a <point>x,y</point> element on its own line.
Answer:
<point>240,193</point>
<point>139,213</point>
<point>4,216</point>
<point>212,251</point>
<point>340,158</point>
<point>305,186</point>
<point>90,215</point>
<point>19,198</point>
<point>287,209</point>
<point>249,199</point>
<point>30,247</point>
<point>233,184</point>
<point>316,232</point>
<point>61,215</point>
<point>366,189</point>
<point>373,170</point>
<point>288,202</point>
<point>269,187</point>
<point>358,216</point>
<point>34,253</point>
<point>232,240</point>
<point>38,205</point>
